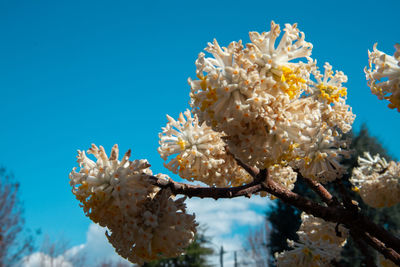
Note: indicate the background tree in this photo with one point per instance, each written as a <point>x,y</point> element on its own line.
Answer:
<point>13,244</point>
<point>195,255</point>
<point>257,245</point>
<point>285,219</point>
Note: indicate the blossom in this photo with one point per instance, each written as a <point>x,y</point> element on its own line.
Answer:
<point>318,244</point>
<point>103,187</point>
<point>315,229</point>
<point>262,49</point>
<point>264,148</point>
<point>383,76</point>
<point>200,153</point>
<point>220,96</point>
<point>160,229</point>
<point>328,86</point>
<point>377,181</point>
<point>283,175</point>
<point>239,86</point>
<point>140,217</point>
<point>276,64</point>
<point>369,164</point>
<point>322,154</point>
<point>264,102</point>
<point>339,115</point>
<point>308,254</point>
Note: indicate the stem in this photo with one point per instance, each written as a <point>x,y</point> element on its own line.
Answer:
<point>206,192</point>
<point>320,190</point>
<point>368,259</point>
<point>348,216</point>
<point>389,253</point>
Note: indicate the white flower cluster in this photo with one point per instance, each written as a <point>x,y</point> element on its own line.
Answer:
<point>377,181</point>
<point>383,76</point>
<point>200,153</point>
<point>316,229</point>
<point>145,222</point>
<point>268,108</point>
<point>318,244</point>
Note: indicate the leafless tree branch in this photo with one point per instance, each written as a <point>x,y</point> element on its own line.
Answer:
<point>346,214</point>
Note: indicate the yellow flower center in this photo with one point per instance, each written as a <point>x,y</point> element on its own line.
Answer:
<point>182,143</point>
<point>331,93</point>
<point>291,81</point>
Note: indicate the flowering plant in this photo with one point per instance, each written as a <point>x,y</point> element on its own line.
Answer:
<point>261,116</point>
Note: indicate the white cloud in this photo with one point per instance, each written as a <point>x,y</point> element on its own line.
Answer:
<point>94,251</point>
<point>224,215</point>
<point>97,248</point>
<point>226,220</point>
<point>39,259</point>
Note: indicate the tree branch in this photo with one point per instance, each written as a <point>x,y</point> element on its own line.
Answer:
<point>335,213</point>
<point>253,171</point>
<point>206,192</point>
<point>377,244</point>
<point>320,190</point>
<point>368,259</point>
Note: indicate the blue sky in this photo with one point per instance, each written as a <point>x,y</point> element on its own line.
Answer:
<point>74,73</point>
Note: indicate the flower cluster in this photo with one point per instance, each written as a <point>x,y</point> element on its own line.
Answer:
<point>319,243</point>
<point>377,181</point>
<point>265,104</point>
<point>316,229</point>
<point>270,107</point>
<point>145,222</point>
<point>383,76</point>
<point>200,153</point>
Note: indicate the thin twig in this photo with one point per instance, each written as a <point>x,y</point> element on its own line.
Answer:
<point>320,190</point>
<point>368,259</point>
<point>378,245</point>
<point>253,171</point>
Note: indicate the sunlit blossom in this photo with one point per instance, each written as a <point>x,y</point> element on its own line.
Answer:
<point>141,219</point>
<point>196,152</point>
<point>377,181</point>
<point>383,76</point>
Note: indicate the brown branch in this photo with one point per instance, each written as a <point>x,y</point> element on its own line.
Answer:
<point>372,228</point>
<point>378,245</point>
<point>206,192</point>
<point>336,214</point>
<point>378,232</point>
<point>368,258</point>
<point>253,171</point>
<point>320,190</point>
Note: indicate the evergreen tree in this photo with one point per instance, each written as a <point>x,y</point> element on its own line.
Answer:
<point>195,255</point>
<point>285,220</point>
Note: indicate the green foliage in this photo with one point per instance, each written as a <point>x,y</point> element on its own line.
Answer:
<point>195,255</point>
<point>285,220</point>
